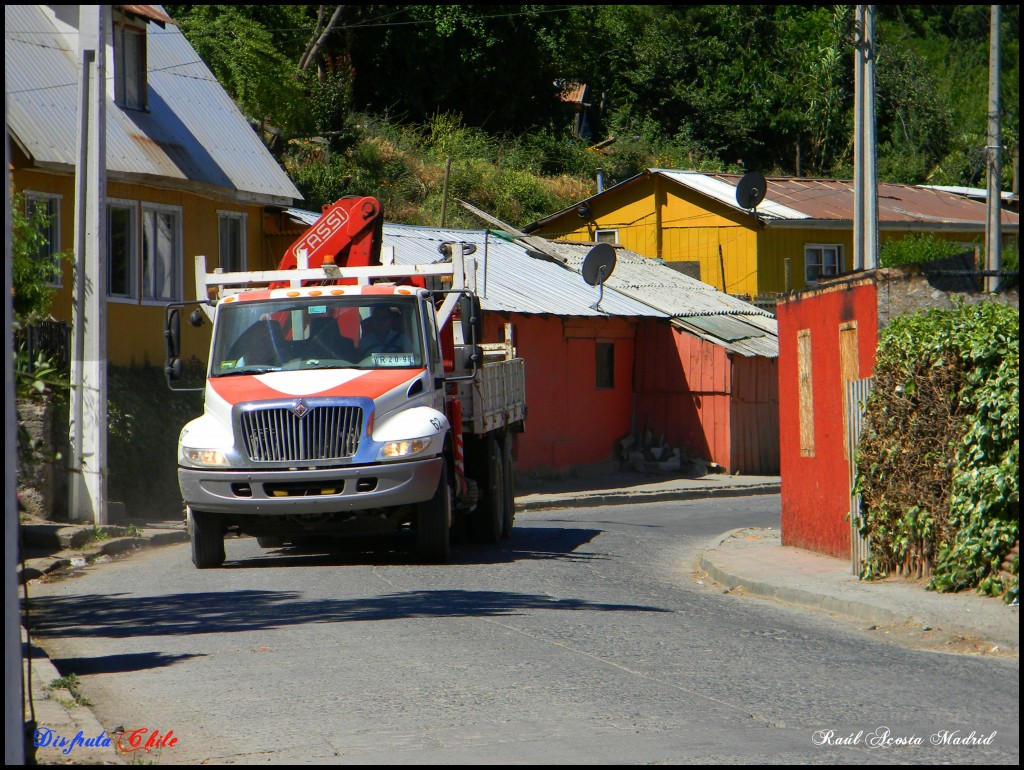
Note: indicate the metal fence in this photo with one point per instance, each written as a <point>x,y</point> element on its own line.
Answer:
<point>857,392</point>
<point>50,339</point>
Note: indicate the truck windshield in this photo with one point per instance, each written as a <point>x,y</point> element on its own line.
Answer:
<point>355,332</point>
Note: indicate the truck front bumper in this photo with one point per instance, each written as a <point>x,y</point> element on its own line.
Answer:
<point>322,490</point>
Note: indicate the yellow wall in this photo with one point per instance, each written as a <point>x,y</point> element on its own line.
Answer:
<point>735,255</point>
<point>135,330</point>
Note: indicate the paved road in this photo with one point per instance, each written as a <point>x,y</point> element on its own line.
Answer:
<point>587,638</point>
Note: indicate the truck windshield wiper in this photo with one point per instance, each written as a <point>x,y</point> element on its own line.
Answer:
<point>250,370</point>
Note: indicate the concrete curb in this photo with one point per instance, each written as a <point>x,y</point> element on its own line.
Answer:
<point>541,501</point>
<point>851,608</point>
<point>38,566</point>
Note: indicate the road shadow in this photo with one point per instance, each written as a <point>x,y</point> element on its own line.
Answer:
<point>126,616</point>
<point>118,664</point>
<point>525,543</point>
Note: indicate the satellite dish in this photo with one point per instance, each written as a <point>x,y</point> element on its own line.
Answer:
<point>751,190</point>
<point>598,264</point>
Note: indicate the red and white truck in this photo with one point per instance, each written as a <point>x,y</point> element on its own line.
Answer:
<point>346,395</point>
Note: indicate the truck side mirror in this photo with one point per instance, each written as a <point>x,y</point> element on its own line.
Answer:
<point>172,332</point>
<point>472,319</point>
<point>196,319</point>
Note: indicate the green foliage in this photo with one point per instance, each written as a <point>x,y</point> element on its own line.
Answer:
<point>916,248</point>
<point>31,277</point>
<point>940,454</point>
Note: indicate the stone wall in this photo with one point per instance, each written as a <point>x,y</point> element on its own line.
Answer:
<point>910,288</point>
<point>42,480</point>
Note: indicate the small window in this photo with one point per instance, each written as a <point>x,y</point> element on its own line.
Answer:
<point>121,240</point>
<point>130,67</point>
<point>822,261</point>
<point>231,228</point>
<point>43,210</point>
<point>161,253</point>
<point>605,364</point>
<point>607,236</point>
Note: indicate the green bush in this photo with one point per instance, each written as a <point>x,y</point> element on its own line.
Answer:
<point>939,454</point>
<point>916,248</point>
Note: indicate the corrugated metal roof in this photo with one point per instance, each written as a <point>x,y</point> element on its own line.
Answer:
<point>800,201</point>
<point>191,133</point>
<point>832,199</point>
<point>694,306</point>
<point>511,280</point>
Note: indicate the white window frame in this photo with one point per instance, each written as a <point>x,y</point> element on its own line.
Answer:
<point>174,258</point>
<point>133,250</point>
<point>837,248</point>
<point>602,235</point>
<point>52,201</point>
<point>130,81</point>
<point>222,259</point>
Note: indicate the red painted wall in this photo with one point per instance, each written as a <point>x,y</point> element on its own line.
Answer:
<point>754,416</point>
<point>570,421</point>
<point>816,490</point>
<point>683,391</point>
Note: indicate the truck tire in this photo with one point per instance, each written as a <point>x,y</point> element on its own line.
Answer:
<point>206,531</point>
<point>433,520</point>
<point>265,541</point>
<point>488,519</point>
<point>509,491</point>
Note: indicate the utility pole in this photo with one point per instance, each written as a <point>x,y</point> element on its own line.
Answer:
<point>865,176</point>
<point>14,696</point>
<point>993,228</point>
<point>88,408</point>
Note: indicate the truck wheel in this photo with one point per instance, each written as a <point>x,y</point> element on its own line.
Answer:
<point>264,541</point>
<point>433,519</point>
<point>206,531</point>
<point>489,517</point>
<point>509,490</point>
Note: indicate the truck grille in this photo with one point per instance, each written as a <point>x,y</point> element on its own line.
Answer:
<point>324,433</point>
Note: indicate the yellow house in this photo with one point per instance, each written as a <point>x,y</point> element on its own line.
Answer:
<point>801,231</point>
<point>186,174</point>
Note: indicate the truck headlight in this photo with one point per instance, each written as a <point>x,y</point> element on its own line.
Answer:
<point>197,456</point>
<point>406,448</point>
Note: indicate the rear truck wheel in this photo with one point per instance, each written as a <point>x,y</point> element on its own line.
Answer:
<point>206,531</point>
<point>509,490</point>
<point>488,519</point>
<point>433,520</point>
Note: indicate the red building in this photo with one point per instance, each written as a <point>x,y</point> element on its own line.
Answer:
<point>827,336</point>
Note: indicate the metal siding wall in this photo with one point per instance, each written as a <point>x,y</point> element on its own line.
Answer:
<point>570,421</point>
<point>683,391</point>
<point>755,416</point>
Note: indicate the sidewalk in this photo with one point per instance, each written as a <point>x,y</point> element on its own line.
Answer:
<point>750,562</point>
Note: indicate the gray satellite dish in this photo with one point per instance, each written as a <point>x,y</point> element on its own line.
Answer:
<point>751,190</point>
<point>598,264</point>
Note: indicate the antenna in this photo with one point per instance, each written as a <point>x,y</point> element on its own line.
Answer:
<point>751,190</point>
<point>597,266</point>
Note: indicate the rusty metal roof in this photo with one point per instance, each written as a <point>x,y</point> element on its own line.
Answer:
<point>802,202</point>
<point>573,92</point>
<point>152,12</point>
<point>190,136</point>
<point>832,199</point>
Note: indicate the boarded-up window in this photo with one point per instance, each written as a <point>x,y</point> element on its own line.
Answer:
<point>806,392</point>
<point>849,369</point>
